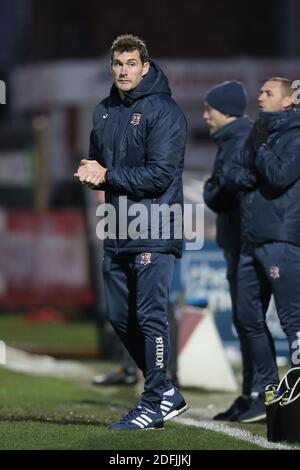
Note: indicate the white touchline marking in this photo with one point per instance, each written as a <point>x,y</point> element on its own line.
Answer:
<point>237,433</point>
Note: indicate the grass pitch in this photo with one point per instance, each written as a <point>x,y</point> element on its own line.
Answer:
<point>48,413</point>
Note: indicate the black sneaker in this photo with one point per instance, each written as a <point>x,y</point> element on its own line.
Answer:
<point>121,377</point>
<point>256,411</point>
<point>240,405</point>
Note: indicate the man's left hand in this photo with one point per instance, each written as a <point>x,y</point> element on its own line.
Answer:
<point>91,173</point>
<point>259,133</point>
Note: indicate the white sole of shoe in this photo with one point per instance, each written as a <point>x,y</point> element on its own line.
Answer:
<point>175,413</point>
<point>151,429</point>
<point>160,428</point>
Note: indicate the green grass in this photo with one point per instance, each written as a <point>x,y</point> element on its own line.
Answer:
<point>16,331</point>
<point>48,413</point>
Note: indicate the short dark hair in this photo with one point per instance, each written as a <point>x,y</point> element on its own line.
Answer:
<point>129,43</point>
<point>286,85</point>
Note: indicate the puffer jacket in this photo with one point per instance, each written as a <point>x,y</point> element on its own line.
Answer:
<point>141,141</point>
<point>270,177</point>
<point>230,140</point>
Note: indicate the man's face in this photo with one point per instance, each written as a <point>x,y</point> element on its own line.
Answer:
<point>127,70</point>
<point>271,98</point>
<point>213,118</point>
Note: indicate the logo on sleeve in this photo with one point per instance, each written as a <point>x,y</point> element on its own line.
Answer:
<point>136,119</point>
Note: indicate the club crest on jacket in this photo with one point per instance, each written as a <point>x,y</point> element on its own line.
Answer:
<point>145,258</point>
<point>136,119</point>
<point>274,272</point>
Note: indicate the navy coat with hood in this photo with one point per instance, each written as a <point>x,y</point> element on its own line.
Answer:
<point>230,140</point>
<point>271,177</point>
<point>141,141</point>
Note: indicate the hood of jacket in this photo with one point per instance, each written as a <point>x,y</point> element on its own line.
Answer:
<point>239,126</point>
<point>155,82</point>
<point>281,121</point>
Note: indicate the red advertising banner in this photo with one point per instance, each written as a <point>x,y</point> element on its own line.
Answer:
<point>43,259</point>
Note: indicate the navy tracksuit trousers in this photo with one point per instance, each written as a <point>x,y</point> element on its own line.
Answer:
<point>251,379</point>
<point>265,269</point>
<point>137,293</point>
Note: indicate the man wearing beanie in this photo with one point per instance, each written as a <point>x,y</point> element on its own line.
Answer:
<point>224,109</point>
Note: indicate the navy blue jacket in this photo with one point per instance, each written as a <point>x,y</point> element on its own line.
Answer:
<point>270,177</point>
<point>141,141</point>
<point>230,140</point>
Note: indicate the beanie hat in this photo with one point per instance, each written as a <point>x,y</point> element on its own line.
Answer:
<point>228,97</point>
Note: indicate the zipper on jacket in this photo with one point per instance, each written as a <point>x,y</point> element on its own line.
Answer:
<point>116,125</point>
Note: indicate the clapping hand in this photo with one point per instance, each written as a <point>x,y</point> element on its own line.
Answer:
<point>90,172</point>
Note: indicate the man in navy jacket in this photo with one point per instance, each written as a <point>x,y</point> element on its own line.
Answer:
<point>136,155</point>
<point>224,110</point>
<point>268,172</point>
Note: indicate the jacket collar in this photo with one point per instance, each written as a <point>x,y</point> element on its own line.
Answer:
<point>239,126</point>
<point>281,120</point>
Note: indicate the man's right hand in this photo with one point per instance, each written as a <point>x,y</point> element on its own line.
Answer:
<point>90,172</point>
